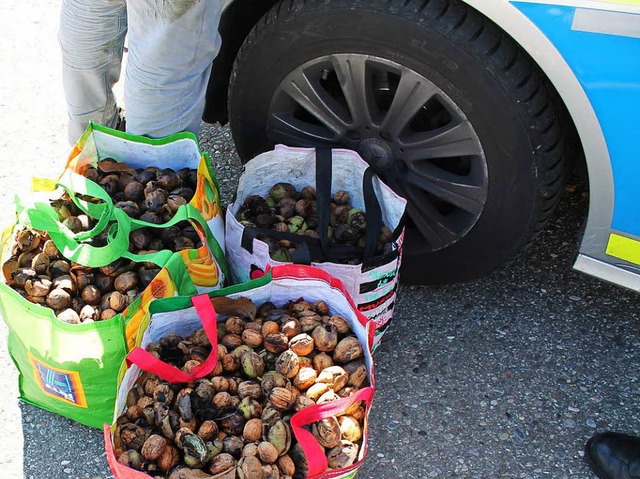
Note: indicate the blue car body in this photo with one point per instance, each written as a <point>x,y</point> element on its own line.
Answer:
<point>590,51</point>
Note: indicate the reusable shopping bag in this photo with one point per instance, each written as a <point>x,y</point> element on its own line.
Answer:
<point>207,266</point>
<point>373,282</point>
<point>71,369</point>
<point>280,284</point>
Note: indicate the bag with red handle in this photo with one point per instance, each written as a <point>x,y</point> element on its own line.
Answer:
<point>272,378</point>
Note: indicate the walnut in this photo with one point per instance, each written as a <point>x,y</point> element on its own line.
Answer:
<point>335,376</point>
<point>249,468</point>
<point>286,465</point>
<point>305,378</point>
<point>327,432</point>
<point>153,447</point>
<point>282,399</point>
<point>267,452</point>
<point>302,344</point>
<point>252,338</point>
<point>253,430</point>
<point>347,350</point>
<point>221,463</point>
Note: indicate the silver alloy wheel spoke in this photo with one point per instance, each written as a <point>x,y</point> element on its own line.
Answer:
<point>414,135</point>
<point>431,224</point>
<point>413,92</point>
<point>447,187</point>
<point>352,75</point>
<point>310,95</point>
<point>292,131</point>
<point>452,140</point>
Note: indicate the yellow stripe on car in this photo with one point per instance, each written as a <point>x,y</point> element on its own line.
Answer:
<point>623,2</point>
<point>624,248</point>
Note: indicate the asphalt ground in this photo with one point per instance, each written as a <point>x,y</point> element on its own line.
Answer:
<point>504,377</point>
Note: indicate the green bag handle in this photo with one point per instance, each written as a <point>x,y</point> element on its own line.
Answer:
<point>43,217</point>
<point>185,212</point>
<point>73,184</point>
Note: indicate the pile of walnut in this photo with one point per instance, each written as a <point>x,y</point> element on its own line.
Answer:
<point>78,294</point>
<point>286,210</point>
<point>235,422</point>
<point>150,194</point>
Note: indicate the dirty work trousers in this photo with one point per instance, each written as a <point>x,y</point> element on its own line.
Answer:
<point>171,44</point>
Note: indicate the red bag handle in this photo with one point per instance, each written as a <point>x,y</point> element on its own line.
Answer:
<point>120,471</point>
<point>312,450</point>
<point>149,363</point>
<point>300,271</point>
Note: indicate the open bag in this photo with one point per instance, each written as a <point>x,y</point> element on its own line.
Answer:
<point>184,315</point>
<point>207,266</point>
<point>373,281</point>
<point>71,369</point>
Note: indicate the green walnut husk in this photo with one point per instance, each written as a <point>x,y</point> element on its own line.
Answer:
<point>280,436</point>
<point>282,190</point>
<point>297,224</point>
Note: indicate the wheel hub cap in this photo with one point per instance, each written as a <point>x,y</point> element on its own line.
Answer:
<point>409,130</point>
<point>377,153</point>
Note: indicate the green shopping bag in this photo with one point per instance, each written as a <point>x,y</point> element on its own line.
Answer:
<point>207,266</point>
<point>72,369</point>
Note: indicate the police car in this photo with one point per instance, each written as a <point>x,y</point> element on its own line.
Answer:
<point>474,110</point>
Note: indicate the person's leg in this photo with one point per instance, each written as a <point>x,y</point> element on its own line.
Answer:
<point>91,36</point>
<point>171,46</point>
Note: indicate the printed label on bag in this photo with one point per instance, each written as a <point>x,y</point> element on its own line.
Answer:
<point>58,383</point>
<point>380,261</point>
<point>380,281</point>
<point>382,316</point>
<point>373,303</point>
<point>350,475</point>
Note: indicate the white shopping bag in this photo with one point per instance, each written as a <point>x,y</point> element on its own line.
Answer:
<point>372,283</point>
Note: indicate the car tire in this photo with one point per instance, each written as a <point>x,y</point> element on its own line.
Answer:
<point>510,158</point>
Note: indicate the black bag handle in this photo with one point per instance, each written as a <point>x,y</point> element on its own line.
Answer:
<point>322,250</point>
<point>373,211</point>
<point>324,174</point>
<point>311,247</point>
<point>373,215</point>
